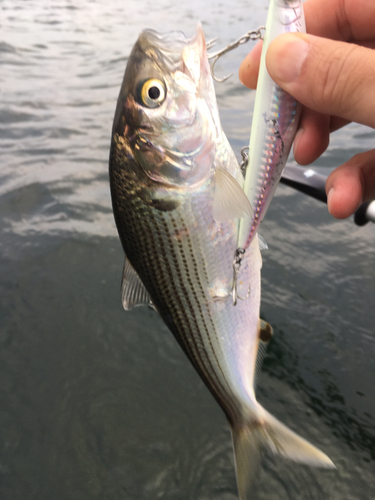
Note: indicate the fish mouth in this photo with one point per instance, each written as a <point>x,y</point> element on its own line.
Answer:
<point>194,57</point>
<point>174,51</point>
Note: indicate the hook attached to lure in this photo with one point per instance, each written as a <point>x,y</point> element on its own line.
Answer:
<point>250,35</point>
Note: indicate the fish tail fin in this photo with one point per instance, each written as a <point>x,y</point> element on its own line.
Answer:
<point>266,432</point>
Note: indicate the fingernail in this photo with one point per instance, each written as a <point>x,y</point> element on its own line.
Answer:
<point>329,198</point>
<point>285,57</point>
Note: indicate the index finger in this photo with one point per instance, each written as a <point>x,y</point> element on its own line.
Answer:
<point>345,20</point>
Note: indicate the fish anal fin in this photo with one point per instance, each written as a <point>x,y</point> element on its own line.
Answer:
<point>230,200</point>
<point>133,291</point>
<point>265,331</point>
<point>265,334</point>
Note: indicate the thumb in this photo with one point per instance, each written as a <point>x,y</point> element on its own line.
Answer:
<point>331,77</point>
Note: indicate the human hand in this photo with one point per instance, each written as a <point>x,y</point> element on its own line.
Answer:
<point>335,81</point>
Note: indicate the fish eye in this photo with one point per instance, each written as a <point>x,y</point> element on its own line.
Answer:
<point>152,93</point>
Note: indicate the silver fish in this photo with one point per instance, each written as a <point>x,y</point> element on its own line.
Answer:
<point>177,199</point>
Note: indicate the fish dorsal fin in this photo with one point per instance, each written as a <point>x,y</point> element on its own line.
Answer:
<point>230,200</point>
<point>264,336</point>
<point>133,291</point>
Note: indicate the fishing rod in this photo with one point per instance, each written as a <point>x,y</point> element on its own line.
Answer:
<point>312,183</point>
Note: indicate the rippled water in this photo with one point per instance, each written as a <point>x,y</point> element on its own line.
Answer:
<point>97,403</point>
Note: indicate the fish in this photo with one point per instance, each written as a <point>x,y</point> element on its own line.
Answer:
<point>177,197</point>
<point>274,125</point>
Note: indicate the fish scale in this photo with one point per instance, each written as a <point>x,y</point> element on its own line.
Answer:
<point>184,297</point>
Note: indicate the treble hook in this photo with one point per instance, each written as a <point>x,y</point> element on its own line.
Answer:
<point>250,35</point>
<point>236,269</point>
<point>236,265</point>
<point>245,159</point>
<point>211,43</point>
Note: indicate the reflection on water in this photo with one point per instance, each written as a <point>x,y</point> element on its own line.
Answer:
<point>98,403</point>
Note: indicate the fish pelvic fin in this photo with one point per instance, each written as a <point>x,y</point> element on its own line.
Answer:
<point>267,433</point>
<point>133,291</point>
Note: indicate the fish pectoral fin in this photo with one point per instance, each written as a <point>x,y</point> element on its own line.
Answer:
<point>133,291</point>
<point>230,200</point>
<point>265,432</point>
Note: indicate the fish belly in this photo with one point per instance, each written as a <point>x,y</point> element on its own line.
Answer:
<point>184,258</point>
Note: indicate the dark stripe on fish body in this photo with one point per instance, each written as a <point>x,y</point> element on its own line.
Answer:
<point>222,391</point>
<point>145,246</point>
<point>184,323</point>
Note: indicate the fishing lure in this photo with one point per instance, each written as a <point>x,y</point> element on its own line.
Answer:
<point>275,121</point>
<point>274,125</point>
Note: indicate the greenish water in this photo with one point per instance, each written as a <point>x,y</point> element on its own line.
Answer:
<point>96,403</point>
